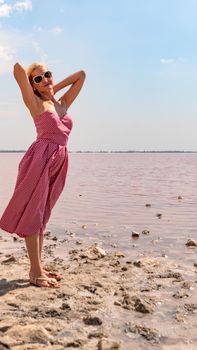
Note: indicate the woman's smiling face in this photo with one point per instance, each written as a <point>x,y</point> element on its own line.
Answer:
<point>45,80</point>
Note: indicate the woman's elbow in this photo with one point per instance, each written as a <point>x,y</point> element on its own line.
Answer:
<point>17,68</point>
<point>83,74</point>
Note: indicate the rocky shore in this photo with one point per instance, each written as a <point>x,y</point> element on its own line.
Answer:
<point>107,300</point>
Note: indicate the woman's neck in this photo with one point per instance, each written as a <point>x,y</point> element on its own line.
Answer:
<point>48,96</point>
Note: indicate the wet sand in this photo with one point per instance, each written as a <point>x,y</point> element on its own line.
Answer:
<point>107,300</point>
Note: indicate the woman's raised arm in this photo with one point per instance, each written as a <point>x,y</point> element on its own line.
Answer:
<point>77,80</point>
<point>22,79</point>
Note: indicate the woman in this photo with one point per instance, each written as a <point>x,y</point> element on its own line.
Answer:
<point>42,170</point>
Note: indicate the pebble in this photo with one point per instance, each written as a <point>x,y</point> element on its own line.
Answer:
<point>145,232</point>
<point>92,321</point>
<point>47,233</point>
<point>108,344</point>
<point>138,263</point>
<point>93,253</point>
<point>114,245</point>
<point>10,260</point>
<point>79,242</point>
<point>159,215</point>
<point>180,295</point>
<point>135,234</point>
<point>119,254</point>
<point>150,334</point>
<point>191,243</point>
<point>84,226</point>
<point>141,304</point>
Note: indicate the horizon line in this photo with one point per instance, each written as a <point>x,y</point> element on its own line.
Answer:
<point>113,151</point>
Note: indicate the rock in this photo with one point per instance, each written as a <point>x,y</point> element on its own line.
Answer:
<point>65,306</point>
<point>92,321</point>
<point>143,304</point>
<point>180,295</point>
<point>70,233</point>
<point>119,255</point>
<point>145,232</point>
<point>47,233</point>
<point>138,263</point>
<point>74,343</point>
<point>191,243</point>
<point>108,344</point>
<point>190,307</point>
<point>63,240</point>
<point>187,285</point>
<point>135,234</point>
<point>91,289</point>
<point>124,268</point>
<point>78,242</point>
<point>150,334</point>
<point>170,274</point>
<point>4,346</point>
<point>93,253</point>
<point>96,335</point>
<point>84,226</point>
<point>159,215</point>
<point>10,260</point>
<point>114,245</point>
<point>180,316</point>
<point>54,238</point>
<point>30,334</point>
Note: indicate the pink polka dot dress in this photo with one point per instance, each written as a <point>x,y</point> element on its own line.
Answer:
<point>41,177</point>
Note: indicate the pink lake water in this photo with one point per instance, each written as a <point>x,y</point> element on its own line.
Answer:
<point>108,193</point>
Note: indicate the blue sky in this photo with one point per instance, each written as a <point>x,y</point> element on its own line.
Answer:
<point>140,63</point>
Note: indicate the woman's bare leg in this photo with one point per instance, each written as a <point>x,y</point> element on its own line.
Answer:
<point>41,238</point>
<point>32,244</point>
<point>36,271</point>
<point>55,275</point>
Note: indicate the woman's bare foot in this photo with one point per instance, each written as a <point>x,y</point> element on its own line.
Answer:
<point>52,274</point>
<point>43,281</point>
<point>49,274</point>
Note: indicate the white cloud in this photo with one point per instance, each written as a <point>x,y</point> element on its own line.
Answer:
<point>23,5</point>
<point>57,30</point>
<point>37,29</point>
<point>19,6</point>
<point>7,53</point>
<point>5,9</point>
<point>12,44</point>
<point>43,55</point>
<point>167,60</point>
<point>54,30</point>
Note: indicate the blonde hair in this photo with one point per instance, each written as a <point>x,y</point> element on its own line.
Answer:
<point>30,70</point>
<point>32,67</point>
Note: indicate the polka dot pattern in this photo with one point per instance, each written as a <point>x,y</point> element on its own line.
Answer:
<point>41,177</point>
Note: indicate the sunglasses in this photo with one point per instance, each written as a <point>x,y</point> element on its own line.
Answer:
<point>38,78</point>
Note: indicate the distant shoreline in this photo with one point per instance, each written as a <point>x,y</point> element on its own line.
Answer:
<point>23,151</point>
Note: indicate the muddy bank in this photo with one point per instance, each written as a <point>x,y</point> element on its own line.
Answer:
<point>107,300</point>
